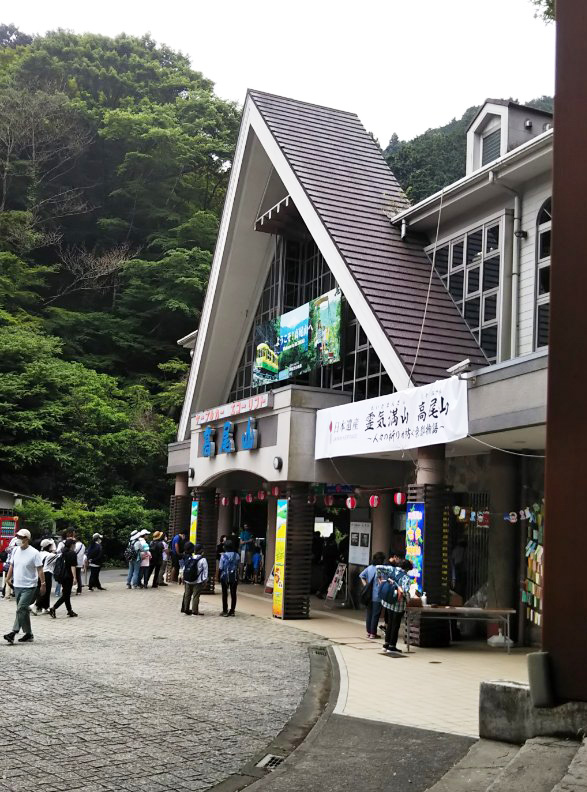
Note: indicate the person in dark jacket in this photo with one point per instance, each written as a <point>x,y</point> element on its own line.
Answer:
<point>70,558</point>
<point>330,556</point>
<point>156,548</point>
<point>95,556</point>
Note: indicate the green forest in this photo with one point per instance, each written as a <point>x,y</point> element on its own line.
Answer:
<point>114,159</point>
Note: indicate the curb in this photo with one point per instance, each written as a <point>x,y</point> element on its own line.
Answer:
<point>304,726</point>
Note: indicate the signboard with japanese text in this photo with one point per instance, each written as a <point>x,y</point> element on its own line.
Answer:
<point>428,415</point>
<point>360,543</point>
<point>415,514</point>
<point>337,582</point>
<point>194,523</point>
<point>299,340</point>
<point>279,566</point>
<point>232,409</point>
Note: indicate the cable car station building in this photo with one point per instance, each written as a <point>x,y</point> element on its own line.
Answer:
<point>332,303</point>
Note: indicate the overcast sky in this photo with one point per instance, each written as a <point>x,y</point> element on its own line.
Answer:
<point>402,65</point>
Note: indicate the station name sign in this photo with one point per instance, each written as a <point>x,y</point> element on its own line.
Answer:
<point>233,409</point>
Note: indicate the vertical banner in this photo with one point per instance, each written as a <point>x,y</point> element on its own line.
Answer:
<point>360,543</point>
<point>279,566</point>
<point>194,522</point>
<point>415,542</point>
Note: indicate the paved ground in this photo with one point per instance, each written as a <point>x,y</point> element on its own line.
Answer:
<point>132,695</point>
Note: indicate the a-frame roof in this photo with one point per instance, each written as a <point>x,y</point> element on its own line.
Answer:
<point>345,176</point>
<point>343,190</point>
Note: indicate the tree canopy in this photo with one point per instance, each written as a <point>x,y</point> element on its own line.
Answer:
<point>114,159</point>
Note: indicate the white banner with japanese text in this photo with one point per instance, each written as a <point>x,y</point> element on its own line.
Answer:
<point>430,414</point>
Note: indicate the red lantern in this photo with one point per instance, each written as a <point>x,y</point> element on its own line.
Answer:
<point>224,501</point>
<point>311,499</point>
<point>236,500</point>
<point>261,495</point>
<point>275,491</point>
<point>351,502</point>
<point>399,498</point>
<point>328,500</point>
<point>249,497</point>
<point>374,501</point>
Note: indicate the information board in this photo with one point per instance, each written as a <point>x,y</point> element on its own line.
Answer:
<point>360,543</point>
<point>415,541</point>
<point>279,566</point>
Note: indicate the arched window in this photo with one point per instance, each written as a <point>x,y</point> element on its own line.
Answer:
<point>543,236</point>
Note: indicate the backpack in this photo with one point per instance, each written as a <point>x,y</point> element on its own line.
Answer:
<point>156,551</point>
<point>129,553</point>
<point>388,592</point>
<point>60,570</point>
<point>229,572</point>
<point>190,569</point>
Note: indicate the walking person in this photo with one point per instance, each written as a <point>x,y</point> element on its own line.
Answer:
<point>219,551</point>
<point>229,568</point>
<point>156,548</point>
<point>164,562</point>
<point>95,556</point>
<point>66,534</point>
<point>49,555</point>
<point>195,577</point>
<point>26,568</point>
<point>80,551</point>
<point>370,594</point>
<point>132,555</point>
<point>65,572</point>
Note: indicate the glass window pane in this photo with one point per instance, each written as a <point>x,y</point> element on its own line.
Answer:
<point>544,247</point>
<point>372,387</point>
<point>442,260</point>
<point>457,254</point>
<point>349,367</point>
<point>362,337</point>
<point>351,338</point>
<point>491,273</point>
<point>490,309</point>
<point>456,285</point>
<point>474,245</point>
<point>489,341</point>
<point>544,280</point>
<point>361,370</point>
<point>472,308</point>
<point>360,391</point>
<point>386,385</point>
<point>492,239</point>
<point>473,277</point>
<point>373,362</point>
<point>336,373</point>
<point>542,325</point>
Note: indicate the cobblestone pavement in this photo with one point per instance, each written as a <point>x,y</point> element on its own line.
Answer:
<point>135,696</point>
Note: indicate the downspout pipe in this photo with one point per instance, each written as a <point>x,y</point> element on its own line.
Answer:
<point>516,251</point>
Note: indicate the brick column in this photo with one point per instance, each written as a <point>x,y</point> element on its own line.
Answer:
<point>207,529</point>
<point>298,556</point>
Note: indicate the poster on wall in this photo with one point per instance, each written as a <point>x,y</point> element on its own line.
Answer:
<point>337,582</point>
<point>279,566</point>
<point>360,543</point>
<point>299,340</point>
<point>415,541</point>
<point>194,523</point>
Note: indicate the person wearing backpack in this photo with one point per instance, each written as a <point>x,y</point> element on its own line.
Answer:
<point>65,573</point>
<point>95,556</point>
<point>370,594</point>
<point>229,566</point>
<point>395,594</point>
<point>156,548</point>
<point>132,557</point>
<point>195,577</point>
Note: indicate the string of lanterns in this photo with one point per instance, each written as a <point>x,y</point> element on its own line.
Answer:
<point>329,500</point>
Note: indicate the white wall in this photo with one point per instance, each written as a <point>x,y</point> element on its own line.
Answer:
<point>533,197</point>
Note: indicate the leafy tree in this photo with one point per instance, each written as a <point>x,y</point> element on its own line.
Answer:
<point>38,515</point>
<point>11,37</point>
<point>545,9</point>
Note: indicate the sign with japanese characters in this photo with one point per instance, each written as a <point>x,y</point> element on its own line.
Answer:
<point>431,414</point>
<point>258,402</point>
<point>360,543</point>
<point>415,542</point>
<point>279,566</point>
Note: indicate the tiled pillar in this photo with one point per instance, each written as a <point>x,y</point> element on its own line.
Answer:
<point>207,529</point>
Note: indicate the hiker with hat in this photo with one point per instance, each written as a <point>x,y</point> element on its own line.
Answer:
<point>48,553</point>
<point>145,559</point>
<point>132,555</point>
<point>26,568</point>
<point>156,547</point>
<point>95,556</point>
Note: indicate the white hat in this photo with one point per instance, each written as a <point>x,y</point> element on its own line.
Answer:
<point>97,536</point>
<point>134,535</point>
<point>23,532</point>
<point>47,543</point>
<point>144,533</point>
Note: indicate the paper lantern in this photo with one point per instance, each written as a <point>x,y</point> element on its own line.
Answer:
<point>374,501</point>
<point>236,500</point>
<point>261,495</point>
<point>275,491</point>
<point>351,502</point>
<point>399,498</point>
<point>249,498</point>
<point>328,500</point>
<point>224,501</point>
<point>311,499</point>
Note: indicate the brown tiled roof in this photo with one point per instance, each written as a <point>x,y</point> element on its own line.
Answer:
<point>344,175</point>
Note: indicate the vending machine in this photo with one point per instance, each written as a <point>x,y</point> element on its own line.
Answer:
<point>8,527</point>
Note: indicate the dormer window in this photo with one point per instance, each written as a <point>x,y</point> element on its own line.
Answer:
<point>491,146</point>
<point>543,233</point>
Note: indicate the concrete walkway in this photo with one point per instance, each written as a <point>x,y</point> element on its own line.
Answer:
<point>435,689</point>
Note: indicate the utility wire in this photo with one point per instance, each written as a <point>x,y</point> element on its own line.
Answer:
<point>505,450</point>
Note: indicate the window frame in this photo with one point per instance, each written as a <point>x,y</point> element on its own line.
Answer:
<point>541,264</point>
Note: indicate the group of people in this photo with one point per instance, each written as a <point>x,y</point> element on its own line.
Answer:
<point>387,588</point>
<point>251,560</point>
<point>29,574</point>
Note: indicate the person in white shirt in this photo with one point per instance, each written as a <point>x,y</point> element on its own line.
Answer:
<point>26,568</point>
<point>80,551</point>
<point>49,555</point>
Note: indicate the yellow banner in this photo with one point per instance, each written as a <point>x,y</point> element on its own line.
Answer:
<point>194,522</point>
<point>279,568</point>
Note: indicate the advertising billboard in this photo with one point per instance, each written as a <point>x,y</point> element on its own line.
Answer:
<point>279,566</point>
<point>299,340</point>
<point>415,541</point>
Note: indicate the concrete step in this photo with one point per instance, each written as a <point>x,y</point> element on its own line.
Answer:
<point>539,766</point>
<point>575,779</point>
<point>483,763</point>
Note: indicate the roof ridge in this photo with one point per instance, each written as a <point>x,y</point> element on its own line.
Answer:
<point>253,91</point>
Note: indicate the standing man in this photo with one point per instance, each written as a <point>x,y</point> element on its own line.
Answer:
<point>177,548</point>
<point>164,558</point>
<point>246,543</point>
<point>80,551</point>
<point>132,553</point>
<point>26,568</point>
<point>95,557</point>
<point>156,548</point>
<point>195,577</point>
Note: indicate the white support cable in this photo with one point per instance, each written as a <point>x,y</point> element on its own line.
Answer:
<point>505,450</point>
<point>432,267</point>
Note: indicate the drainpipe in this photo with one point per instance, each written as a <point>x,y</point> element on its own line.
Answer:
<point>516,249</point>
